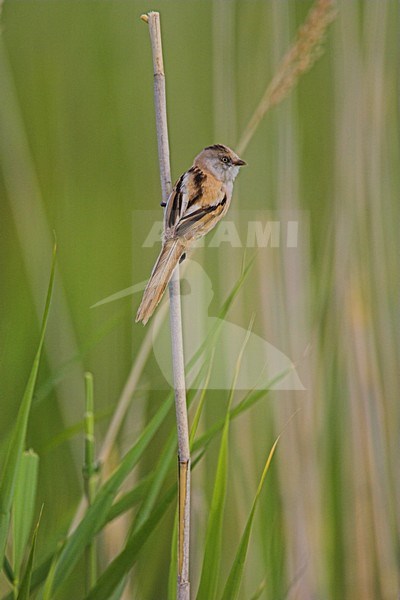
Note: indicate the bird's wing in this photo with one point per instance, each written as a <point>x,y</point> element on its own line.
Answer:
<point>175,203</point>
<point>197,199</point>
<point>201,220</point>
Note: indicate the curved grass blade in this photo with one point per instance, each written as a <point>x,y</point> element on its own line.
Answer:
<point>17,443</point>
<point>25,590</point>
<point>119,590</point>
<point>23,507</point>
<point>8,571</point>
<point>232,586</point>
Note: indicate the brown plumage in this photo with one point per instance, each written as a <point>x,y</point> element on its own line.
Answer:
<point>168,258</point>
<point>199,199</point>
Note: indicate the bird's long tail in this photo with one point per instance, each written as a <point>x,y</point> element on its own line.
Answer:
<point>159,278</point>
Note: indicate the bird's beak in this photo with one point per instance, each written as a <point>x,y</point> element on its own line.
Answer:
<point>239,162</point>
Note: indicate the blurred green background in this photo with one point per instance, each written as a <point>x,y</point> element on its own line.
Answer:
<point>78,156</point>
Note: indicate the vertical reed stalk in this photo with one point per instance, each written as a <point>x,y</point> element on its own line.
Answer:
<point>183,585</point>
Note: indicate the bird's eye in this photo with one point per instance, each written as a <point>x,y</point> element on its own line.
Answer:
<point>224,159</point>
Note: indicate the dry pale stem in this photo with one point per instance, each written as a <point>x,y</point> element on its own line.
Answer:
<point>183,585</point>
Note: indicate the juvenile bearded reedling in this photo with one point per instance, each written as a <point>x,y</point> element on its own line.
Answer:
<point>199,199</point>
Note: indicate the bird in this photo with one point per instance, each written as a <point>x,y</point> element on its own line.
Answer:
<point>198,201</point>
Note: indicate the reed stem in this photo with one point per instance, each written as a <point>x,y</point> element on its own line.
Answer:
<point>183,585</point>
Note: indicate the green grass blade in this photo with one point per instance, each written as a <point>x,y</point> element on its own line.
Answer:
<point>232,586</point>
<point>8,571</point>
<point>25,590</point>
<point>96,514</point>
<point>23,507</point>
<point>110,579</point>
<point>16,447</point>
<point>119,590</point>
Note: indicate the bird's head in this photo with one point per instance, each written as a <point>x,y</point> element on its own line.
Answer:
<point>220,161</point>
